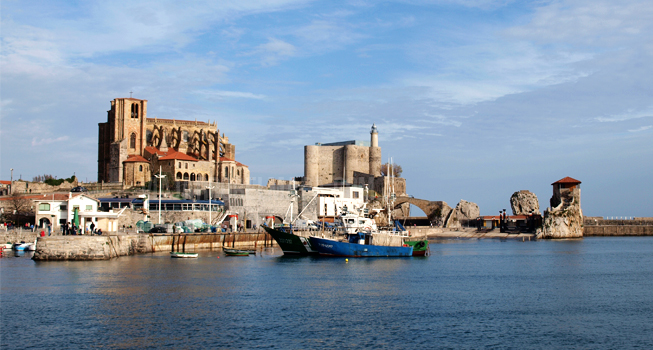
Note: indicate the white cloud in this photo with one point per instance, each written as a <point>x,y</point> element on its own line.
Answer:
<point>589,22</point>
<point>231,94</point>
<point>643,128</point>
<point>626,115</point>
<point>274,51</point>
<point>38,141</point>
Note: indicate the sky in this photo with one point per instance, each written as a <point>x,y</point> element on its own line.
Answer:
<point>475,99</point>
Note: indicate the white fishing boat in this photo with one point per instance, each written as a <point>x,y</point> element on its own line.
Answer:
<point>22,246</point>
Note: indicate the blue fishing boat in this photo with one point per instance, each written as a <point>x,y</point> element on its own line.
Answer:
<point>361,244</point>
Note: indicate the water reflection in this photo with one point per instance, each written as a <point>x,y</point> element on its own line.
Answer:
<point>470,294</point>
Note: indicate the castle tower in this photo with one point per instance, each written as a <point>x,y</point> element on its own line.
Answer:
<point>311,165</point>
<point>375,152</point>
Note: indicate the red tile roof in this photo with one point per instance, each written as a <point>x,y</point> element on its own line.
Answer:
<point>225,159</point>
<point>172,154</point>
<point>153,150</point>
<point>5,182</point>
<point>567,180</point>
<point>135,159</point>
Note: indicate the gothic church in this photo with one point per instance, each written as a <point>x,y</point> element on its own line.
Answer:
<point>131,148</point>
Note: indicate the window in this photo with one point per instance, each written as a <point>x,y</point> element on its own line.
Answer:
<point>186,165</point>
<point>186,176</point>
<point>355,194</point>
<point>63,207</point>
<point>89,207</point>
<point>180,165</point>
<point>206,177</point>
<point>140,168</point>
<point>179,176</point>
<point>132,140</point>
<point>44,207</point>
<point>134,110</point>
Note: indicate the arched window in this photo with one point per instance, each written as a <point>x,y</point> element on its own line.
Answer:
<point>206,177</point>
<point>179,165</point>
<point>192,176</point>
<point>140,168</point>
<point>132,140</point>
<point>186,165</point>
<point>226,172</point>
<point>185,176</point>
<point>179,176</point>
<point>134,110</point>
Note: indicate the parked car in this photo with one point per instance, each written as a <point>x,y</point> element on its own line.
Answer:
<point>159,229</point>
<point>79,189</point>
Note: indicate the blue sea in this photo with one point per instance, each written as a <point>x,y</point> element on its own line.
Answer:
<point>594,293</point>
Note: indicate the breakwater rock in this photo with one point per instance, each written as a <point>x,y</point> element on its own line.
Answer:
<point>566,219</point>
<point>463,212</point>
<point>524,202</point>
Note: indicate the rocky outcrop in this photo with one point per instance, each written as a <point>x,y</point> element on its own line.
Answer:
<point>464,212</point>
<point>524,202</point>
<point>565,220</point>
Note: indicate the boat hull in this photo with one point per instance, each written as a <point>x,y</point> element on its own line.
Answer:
<point>291,244</point>
<point>420,248</point>
<point>183,255</point>
<point>235,252</point>
<point>335,248</point>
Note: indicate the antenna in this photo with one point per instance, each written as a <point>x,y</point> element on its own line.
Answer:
<point>130,94</point>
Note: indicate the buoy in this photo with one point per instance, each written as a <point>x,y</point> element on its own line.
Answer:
<point>346,260</point>
<point>218,257</point>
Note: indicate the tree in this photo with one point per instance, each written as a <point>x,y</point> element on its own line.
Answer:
<point>396,170</point>
<point>18,209</point>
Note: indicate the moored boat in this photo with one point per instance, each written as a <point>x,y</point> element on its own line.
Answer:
<point>290,243</point>
<point>420,247</point>
<point>362,244</point>
<point>235,252</point>
<point>30,246</point>
<point>182,255</point>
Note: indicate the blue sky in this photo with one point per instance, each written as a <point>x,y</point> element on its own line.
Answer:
<point>475,99</point>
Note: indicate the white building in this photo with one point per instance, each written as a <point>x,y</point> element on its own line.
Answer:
<point>58,209</point>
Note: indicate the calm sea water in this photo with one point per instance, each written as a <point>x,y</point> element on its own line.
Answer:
<point>585,294</point>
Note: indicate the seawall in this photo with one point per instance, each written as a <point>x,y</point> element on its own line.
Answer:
<point>108,247</point>
<point>599,227</point>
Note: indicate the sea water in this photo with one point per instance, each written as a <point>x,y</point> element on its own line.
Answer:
<point>577,294</point>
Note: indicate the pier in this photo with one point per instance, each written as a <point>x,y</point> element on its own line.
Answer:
<point>105,247</point>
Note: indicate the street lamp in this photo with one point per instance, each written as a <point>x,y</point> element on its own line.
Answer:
<point>11,188</point>
<point>160,177</point>
<point>210,187</point>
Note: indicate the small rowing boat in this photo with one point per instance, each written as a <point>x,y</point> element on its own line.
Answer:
<point>182,255</point>
<point>236,252</point>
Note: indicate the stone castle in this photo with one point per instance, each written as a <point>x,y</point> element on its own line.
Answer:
<point>132,147</point>
<point>349,163</point>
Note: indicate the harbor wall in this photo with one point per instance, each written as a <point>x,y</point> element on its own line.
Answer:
<point>108,247</point>
<point>593,226</point>
<point>18,235</point>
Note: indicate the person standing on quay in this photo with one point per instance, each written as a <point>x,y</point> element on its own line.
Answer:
<point>92,228</point>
